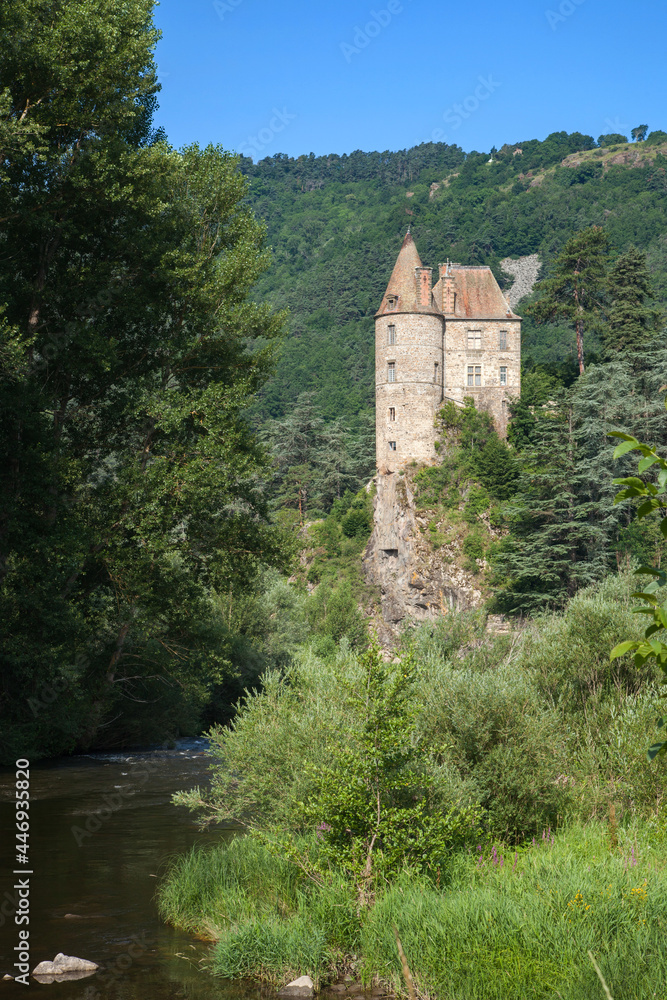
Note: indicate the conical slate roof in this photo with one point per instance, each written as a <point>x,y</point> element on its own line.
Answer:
<point>402,284</point>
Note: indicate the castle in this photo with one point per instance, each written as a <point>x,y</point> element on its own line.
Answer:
<point>456,339</point>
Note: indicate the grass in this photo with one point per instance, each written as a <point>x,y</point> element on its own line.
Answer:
<point>503,925</point>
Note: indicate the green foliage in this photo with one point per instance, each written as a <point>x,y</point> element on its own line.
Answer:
<point>611,139</point>
<point>639,133</point>
<point>631,322</point>
<point>129,482</point>
<point>333,614</point>
<point>373,799</point>
<point>575,291</point>
<point>564,529</point>
<point>652,495</point>
<point>505,924</point>
<point>357,521</point>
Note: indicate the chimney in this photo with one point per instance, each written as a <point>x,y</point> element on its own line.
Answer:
<point>423,286</point>
<point>448,294</point>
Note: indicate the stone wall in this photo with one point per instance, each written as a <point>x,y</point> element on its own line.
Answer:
<point>415,395</point>
<point>460,355</point>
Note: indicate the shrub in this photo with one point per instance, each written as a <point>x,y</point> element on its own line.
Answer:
<point>508,751</point>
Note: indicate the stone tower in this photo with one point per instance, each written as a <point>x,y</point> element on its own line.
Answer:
<point>408,364</point>
<point>459,338</point>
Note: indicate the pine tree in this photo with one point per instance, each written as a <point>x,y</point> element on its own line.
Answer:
<point>631,322</point>
<point>555,544</point>
<point>576,290</point>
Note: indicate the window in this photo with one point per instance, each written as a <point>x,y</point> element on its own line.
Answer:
<point>392,301</point>
<point>502,340</point>
<point>436,369</point>
<point>392,446</point>
<point>474,374</point>
<point>474,340</point>
<point>503,375</point>
<point>391,371</point>
<point>392,414</point>
<point>391,334</point>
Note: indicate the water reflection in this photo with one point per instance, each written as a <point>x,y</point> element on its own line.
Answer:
<point>102,829</point>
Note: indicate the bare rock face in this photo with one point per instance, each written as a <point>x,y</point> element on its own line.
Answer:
<point>525,271</point>
<point>416,580</point>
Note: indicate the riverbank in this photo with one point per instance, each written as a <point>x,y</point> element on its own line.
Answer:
<point>503,924</point>
<point>102,828</point>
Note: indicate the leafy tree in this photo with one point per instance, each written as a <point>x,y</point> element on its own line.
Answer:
<point>639,133</point>
<point>611,139</point>
<point>631,322</point>
<point>128,483</point>
<point>576,290</point>
<point>373,801</point>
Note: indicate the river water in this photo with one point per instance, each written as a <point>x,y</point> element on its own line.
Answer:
<point>102,829</point>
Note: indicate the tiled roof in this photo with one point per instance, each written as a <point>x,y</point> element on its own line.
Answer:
<point>402,284</point>
<point>478,294</point>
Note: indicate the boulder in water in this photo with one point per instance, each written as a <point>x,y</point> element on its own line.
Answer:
<point>64,966</point>
<point>301,987</point>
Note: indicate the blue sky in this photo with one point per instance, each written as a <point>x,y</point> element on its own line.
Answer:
<point>261,77</point>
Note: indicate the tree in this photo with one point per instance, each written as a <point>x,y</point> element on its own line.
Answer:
<point>576,290</point>
<point>639,133</point>
<point>631,322</point>
<point>129,478</point>
<point>556,544</point>
<point>611,139</point>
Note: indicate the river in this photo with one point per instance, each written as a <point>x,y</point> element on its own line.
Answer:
<point>102,828</point>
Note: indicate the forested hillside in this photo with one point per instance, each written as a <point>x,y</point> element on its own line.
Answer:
<point>335,224</point>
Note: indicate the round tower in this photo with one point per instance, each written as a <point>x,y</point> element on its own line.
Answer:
<point>409,365</point>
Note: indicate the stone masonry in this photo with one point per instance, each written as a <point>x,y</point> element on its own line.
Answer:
<point>456,339</point>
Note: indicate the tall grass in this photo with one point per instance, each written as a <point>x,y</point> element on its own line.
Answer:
<point>504,924</point>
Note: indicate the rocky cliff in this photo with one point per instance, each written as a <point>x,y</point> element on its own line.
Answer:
<point>416,557</point>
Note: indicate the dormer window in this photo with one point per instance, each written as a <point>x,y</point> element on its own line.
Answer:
<point>391,334</point>
<point>392,301</point>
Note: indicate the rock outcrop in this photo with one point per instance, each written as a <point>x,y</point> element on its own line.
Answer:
<point>417,580</point>
<point>524,270</point>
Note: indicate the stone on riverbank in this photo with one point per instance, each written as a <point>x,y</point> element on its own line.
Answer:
<point>301,987</point>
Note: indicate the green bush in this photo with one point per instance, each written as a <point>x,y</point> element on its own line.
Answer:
<point>504,924</point>
<point>358,521</point>
<point>333,613</point>
<point>507,750</point>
